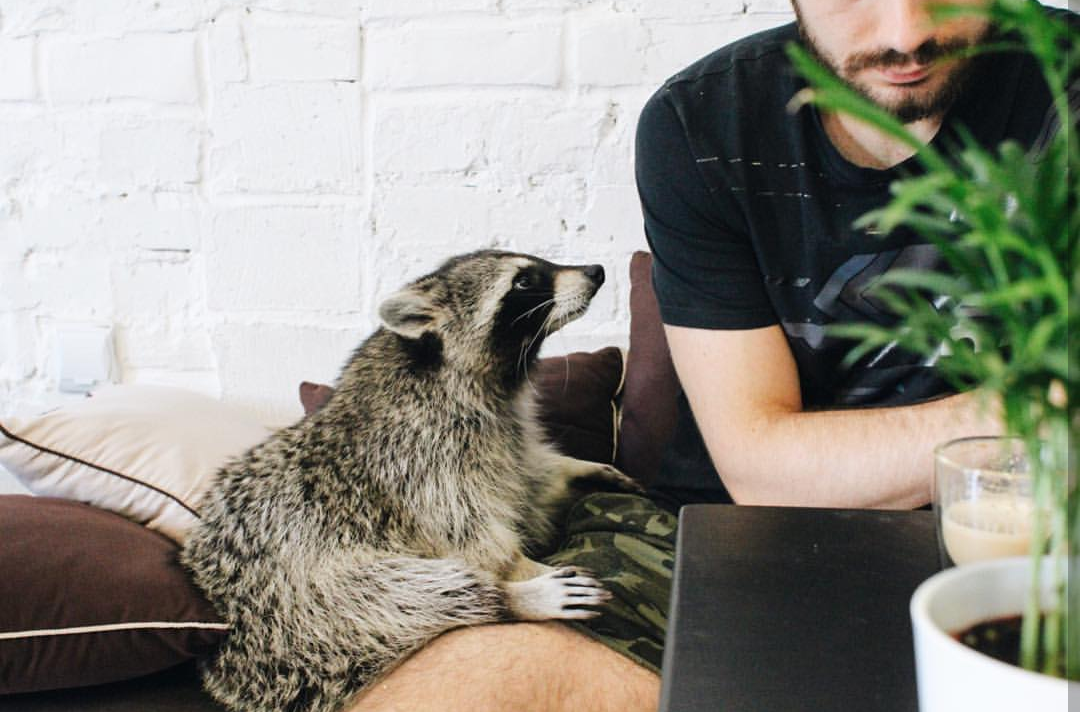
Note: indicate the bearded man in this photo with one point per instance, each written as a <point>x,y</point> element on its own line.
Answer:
<point>748,210</point>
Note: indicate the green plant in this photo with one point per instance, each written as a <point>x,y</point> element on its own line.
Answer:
<point>1006,223</point>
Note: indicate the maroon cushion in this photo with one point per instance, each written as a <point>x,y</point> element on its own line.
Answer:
<point>88,597</point>
<point>576,395</point>
<point>313,395</point>
<point>651,388</point>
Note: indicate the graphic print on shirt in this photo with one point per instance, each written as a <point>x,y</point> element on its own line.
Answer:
<point>888,374</point>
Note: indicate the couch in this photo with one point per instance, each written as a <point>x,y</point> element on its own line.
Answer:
<point>95,612</point>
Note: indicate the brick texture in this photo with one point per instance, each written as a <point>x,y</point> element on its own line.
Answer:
<point>234,186</point>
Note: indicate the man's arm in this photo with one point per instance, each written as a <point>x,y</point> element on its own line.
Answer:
<point>743,388</point>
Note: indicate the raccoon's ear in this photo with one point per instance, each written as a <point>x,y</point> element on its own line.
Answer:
<point>408,313</point>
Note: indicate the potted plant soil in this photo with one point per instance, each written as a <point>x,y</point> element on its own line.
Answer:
<point>1006,222</point>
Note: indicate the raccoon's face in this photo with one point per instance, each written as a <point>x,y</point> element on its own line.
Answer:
<point>534,298</point>
<point>491,309</point>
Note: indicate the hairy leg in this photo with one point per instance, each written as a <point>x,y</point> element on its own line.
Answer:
<point>540,667</point>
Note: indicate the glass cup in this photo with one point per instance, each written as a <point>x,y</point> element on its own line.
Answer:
<point>983,499</point>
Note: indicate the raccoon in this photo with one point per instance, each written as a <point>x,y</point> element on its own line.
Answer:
<point>406,506</point>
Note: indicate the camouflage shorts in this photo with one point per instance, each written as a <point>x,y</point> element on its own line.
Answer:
<point>628,542</point>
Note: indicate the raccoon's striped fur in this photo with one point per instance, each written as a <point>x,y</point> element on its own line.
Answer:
<point>405,506</point>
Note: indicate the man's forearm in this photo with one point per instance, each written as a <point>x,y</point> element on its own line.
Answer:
<point>745,392</point>
<point>880,457</point>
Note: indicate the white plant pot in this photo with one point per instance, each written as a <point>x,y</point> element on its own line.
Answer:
<point>951,676</point>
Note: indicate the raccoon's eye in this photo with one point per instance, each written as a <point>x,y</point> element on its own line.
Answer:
<point>523,281</point>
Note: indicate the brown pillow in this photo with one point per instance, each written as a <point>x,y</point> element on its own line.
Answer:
<point>313,395</point>
<point>90,597</point>
<point>576,394</point>
<point>577,398</point>
<point>651,389</point>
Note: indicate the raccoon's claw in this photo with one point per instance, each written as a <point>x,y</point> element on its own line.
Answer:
<point>556,595</point>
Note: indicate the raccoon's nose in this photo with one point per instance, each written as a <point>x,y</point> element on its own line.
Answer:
<point>595,273</point>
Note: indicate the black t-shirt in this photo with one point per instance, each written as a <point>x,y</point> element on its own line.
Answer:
<point>749,212</point>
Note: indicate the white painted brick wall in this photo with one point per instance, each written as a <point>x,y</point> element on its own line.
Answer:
<point>155,66</point>
<point>233,185</point>
<point>286,137</point>
<point>17,61</point>
<point>286,49</point>
<point>469,52</point>
<point>311,259</point>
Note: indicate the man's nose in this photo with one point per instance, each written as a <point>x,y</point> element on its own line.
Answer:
<point>908,25</point>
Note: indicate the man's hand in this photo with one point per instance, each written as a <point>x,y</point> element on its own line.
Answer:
<point>743,387</point>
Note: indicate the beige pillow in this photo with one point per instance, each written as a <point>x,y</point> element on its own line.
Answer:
<point>146,452</point>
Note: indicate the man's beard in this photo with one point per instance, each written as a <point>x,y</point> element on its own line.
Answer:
<point>919,105</point>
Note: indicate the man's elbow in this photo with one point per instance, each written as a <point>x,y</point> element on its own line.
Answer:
<point>746,481</point>
<point>760,468</point>
<point>745,460</point>
<point>748,491</point>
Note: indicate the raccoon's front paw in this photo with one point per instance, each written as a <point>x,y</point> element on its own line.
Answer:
<point>605,478</point>
<point>556,595</point>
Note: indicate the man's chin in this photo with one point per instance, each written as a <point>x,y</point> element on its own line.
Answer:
<point>928,98</point>
<point>911,102</point>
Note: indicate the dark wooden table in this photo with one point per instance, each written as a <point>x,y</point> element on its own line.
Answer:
<point>787,609</point>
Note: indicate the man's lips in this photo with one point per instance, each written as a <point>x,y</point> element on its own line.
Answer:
<point>904,75</point>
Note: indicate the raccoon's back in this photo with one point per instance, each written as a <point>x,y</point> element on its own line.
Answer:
<point>399,458</point>
<point>250,515</point>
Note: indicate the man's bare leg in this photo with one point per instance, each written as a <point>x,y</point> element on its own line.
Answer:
<point>514,667</point>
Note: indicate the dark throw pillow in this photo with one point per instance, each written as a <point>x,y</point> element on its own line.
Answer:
<point>89,597</point>
<point>651,389</point>
<point>577,397</point>
<point>314,395</point>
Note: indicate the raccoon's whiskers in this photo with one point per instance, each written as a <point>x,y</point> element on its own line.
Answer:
<point>523,355</point>
<point>532,311</point>
<point>523,366</point>
<point>566,373</point>
<point>545,328</point>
